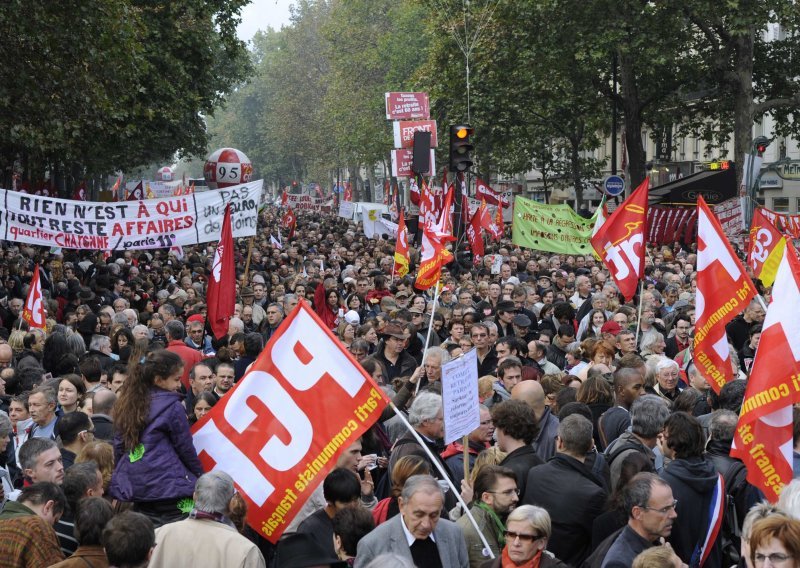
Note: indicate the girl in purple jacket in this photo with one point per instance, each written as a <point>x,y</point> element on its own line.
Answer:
<point>156,465</point>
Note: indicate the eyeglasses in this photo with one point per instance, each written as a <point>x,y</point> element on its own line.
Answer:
<point>663,510</point>
<point>511,535</point>
<point>775,559</point>
<point>507,492</point>
<point>479,335</point>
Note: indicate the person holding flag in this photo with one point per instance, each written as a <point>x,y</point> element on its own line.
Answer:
<point>401,256</point>
<point>34,312</point>
<point>221,293</point>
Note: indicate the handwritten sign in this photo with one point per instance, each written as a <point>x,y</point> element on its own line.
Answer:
<point>462,414</point>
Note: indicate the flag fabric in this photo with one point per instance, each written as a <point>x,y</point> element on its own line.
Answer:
<point>138,192</point>
<point>428,213</point>
<point>289,222</point>
<point>284,198</point>
<point>723,291</point>
<point>445,222</point>
<point>766,248</point>
<point>348,192</point>
<point>401,256</point>
<point>282,427</point>
<point>276,243</point>
<point>620,241</point>
<point>115,189</point>
<point>601,215</point>
<point>433,255</point>
<point>491,196</point>
<point>221,294</point>
<point>474,234</point>
<point>413,190</point>
<point>80,192</point>
<point>763,437</point>
<point>33,311</point>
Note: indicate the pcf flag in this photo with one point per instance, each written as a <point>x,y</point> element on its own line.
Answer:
<point>290,222</point>
<point>723,290</point>
<point>763,439</point>
<point>766,248</point>
<point>484,192</point>
<point>401,257</point>
<point>620,241</point>
<point>222,283</point>
<point>474,235</point>
<point>280,430</point>
<point>33,312</point>
<point>433,255</point>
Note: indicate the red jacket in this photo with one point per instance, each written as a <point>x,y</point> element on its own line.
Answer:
<point>190,358</point>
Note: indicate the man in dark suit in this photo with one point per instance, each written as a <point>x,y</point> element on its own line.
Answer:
<point>418,534</point>
<point>569,491</point>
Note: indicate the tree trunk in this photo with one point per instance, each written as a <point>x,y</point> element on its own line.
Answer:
<point>743,104</point>
<point>631,108</point>
<point>575,161</point>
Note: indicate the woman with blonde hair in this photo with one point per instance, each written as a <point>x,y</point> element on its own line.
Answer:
<point>102,453</point>
<point>528,528</point>
<point>404,468</point>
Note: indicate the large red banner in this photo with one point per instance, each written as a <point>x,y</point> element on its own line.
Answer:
<point>407,105</point>
<point>280,430</point>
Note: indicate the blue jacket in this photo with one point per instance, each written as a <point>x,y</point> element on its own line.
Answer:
<point>169,467</point>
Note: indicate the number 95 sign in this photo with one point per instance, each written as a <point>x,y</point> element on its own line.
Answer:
<point>227,167</point>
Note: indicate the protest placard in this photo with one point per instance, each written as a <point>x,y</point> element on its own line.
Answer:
<point>460,396</point>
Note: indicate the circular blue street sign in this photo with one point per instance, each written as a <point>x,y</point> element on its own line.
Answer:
<point>614,185</point>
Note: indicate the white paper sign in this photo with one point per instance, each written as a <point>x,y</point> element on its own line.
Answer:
<point>347,209</point>
<point>462,412</point>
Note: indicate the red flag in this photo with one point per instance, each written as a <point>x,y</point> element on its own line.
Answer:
<point>445,222</point>
<point>281,429</point>
<point>284,198</point>
<point>33,312</point>
<point>489,222</point>
<point>401,256</point>
<point>474,234</point>
<point>387,192</point>
<point>290,222</point>
<point>428,215</point>
<point>222,284</point>
<point>763,438</point>
<point>723,290</point>
<point>620,241</point>
<point>766,248</point>
<point>348,191</point>
<point>413,191</point>
<point>433,255</point>
<point>493,197</point>
<point>137,193</point>
<point>80,192</point>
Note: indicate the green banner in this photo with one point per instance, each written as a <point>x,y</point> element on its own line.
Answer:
<point>551,228</point>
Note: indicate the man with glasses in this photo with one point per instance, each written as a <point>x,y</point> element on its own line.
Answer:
<point>650,506</point>
<point>495,496</point>
<point>487,357</point>
<point>273,320</point>
<point>565,488</point>
<point>194,337</point>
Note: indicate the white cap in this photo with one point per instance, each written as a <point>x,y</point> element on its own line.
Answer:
<point>352,317</point>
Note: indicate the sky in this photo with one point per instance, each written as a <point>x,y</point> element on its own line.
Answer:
<point>261,14</point>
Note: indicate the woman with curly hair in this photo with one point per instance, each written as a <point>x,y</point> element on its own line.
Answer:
<point>156,463</point>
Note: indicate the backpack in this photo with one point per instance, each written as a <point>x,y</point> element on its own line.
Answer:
<point>621,448</point>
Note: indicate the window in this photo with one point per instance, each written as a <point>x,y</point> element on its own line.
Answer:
<point>761,201</point>
<point>780,204</point>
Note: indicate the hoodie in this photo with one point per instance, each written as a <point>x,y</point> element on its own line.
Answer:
<point>692,481</point>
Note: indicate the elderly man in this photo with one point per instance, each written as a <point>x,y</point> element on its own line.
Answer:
<point>207,537</point>
<point>272,319</point>
<point>570,493</point>
<point>667,380</point>
<point>431,369</point>
<point>42,407</point>
<point>417,534</point>
<point>650,506</point>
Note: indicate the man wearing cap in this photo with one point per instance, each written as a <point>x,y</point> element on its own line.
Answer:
<point>506,310</point>
<point>522,324</point>
<point>401,299</point>
<point>391,352</point>
<point>248,297</point>
<point>195,339</point>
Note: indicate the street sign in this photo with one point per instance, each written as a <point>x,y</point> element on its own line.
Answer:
<point>614,185</point>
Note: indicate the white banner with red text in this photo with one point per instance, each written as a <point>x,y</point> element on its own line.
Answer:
<point>123,225</point>
<point>280,430</point>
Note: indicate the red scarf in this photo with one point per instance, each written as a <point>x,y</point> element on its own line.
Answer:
<point>506,562</point>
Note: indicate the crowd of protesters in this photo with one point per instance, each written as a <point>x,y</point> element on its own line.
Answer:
<point>600,443</point>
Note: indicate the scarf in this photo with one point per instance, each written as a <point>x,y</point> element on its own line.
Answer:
<point>218,517</point>
<point>499,527</point>
<point>506,562</point>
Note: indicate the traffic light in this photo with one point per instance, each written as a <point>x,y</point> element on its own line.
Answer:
<point>760,144</point>
<point>460,148</point>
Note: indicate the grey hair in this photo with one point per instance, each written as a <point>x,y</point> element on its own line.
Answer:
<point>390,560</point>
<point>443,354</point>
<point>5,425</point>
<point>537,517</point>
<point>288,298</point>
<point>120,319</point>
<point>420,483</point>
<point>175,329</point>
<point>575,432</point>
<point>639,489</point>
<point>665,363</point>
<point>140,327</point>
<point>33,447</point>
<point>490,325</point>
<point>76,344</point>
<point>425,407</point>
<point>649,339</point>
<point>789,501</point>
<point>760,511</point>
<point>237,323</point>
<point>98,342</point>
<point>648,414</point>
<point>723,425</point>
<point>213,492</point>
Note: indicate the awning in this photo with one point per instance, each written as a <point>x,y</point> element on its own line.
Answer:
<point>715,186</point>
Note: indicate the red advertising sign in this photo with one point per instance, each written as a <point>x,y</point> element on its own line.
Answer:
<point>280,430</point>
<point>401,163</point>
<point>401,106</point>
<point>404,132</point>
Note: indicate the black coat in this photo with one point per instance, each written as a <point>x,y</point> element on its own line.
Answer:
<point>574,497</point>
<point>520,461</point>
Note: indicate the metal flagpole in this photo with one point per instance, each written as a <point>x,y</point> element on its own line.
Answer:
<point>430,328</point>
<point>445,477</point>
<point>639,318</point>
